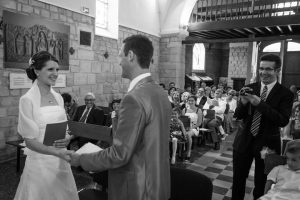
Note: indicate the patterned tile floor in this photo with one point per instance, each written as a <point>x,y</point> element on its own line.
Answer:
<point>217,165</point>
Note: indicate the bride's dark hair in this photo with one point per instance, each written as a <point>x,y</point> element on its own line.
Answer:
<point>37,62</point>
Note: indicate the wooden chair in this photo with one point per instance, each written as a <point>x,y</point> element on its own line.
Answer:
<point>189,184</point>
<point>100,177</point>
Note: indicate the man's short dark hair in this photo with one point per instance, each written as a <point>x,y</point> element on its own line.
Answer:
<point>162,85</point>
<point>142,47</point>
<point>272,58</point>
<point>169,90</point>
<point>66,97</point>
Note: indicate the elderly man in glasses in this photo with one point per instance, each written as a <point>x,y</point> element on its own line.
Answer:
<point>89,113</point>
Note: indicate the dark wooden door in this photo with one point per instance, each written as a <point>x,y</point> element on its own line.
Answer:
<point>291,69</point>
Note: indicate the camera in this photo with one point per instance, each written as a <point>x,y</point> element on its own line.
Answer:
<point>243,91</point>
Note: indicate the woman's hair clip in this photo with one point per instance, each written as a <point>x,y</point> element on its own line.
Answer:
<point>31,61</point>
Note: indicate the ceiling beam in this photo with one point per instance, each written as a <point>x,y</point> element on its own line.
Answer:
<point>290,28</point>
<point>241,32</point>
<point>241,23</point>
<point>279,29</point>
<point>269,29</point>
<point>259,30</point>
<point>191,40</point>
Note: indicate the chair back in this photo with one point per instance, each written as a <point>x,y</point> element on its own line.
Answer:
<point>210,114</point>
<point>189,184</point>
<point>92,194</point>
<point>273,160</point>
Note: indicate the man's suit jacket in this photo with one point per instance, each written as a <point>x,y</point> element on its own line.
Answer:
<point>96,115</point>
<point>202,102</point>
<point>275,112</point>
<point>138,160</point>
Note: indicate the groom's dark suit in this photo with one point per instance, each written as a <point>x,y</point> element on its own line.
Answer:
<point>275,112</point>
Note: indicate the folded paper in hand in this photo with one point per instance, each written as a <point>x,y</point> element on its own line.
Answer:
<point>88,148</point>
<point>53,132</point>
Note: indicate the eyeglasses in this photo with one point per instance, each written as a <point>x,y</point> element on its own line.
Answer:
<point>89,99</point>
<point>268,69</point>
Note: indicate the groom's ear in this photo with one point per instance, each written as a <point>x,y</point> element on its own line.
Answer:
<point>131,55</point>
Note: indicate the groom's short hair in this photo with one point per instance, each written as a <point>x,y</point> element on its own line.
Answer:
<point>142,47</point>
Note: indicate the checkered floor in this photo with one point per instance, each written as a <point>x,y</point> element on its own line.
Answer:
<point>217,165</point>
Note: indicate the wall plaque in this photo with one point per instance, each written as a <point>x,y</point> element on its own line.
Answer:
<point>25,35</point>
<point>85,38</point>
<point>20,81</point>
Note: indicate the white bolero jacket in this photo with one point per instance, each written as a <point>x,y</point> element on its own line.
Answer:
<point>30,112</point>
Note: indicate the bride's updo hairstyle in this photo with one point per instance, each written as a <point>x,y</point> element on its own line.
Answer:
<point>37,62</point>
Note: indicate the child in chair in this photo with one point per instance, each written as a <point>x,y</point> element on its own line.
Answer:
<point>286,178</point>
<point>178,132</point>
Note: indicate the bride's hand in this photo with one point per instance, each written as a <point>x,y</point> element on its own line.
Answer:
<point>64,154</point>
<point>63,143</point>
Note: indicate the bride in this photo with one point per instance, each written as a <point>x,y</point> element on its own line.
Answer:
<point>47,174</point>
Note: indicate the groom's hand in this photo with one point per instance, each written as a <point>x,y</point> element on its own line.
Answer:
<point>74,159</point>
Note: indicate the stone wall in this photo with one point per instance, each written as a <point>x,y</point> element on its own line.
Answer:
<point>89,70</point>
<point>172,60</point>
<point>238,61</point>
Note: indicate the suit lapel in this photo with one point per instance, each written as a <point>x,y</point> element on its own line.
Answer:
<point>257,89</point>
<point>272,92</point>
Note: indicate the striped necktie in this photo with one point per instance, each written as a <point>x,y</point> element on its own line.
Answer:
<point>85,115</point>
<point>257,115</point>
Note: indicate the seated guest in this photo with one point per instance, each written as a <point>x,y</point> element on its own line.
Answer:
<point>196,116</point>
<point>70,105</point>
<point>188,88</point>
<point>212,92</point>
<point>231,104</point>
<point>88,113</point>
<point>286,178</point>
<point>201,98</point>
<point>177,132</point>
<point>203,85</point>
<point>184,99</point>
<point>172,85</point>
<point>115,105</point>
<point>219,106</point>
<point>170,93</point>
<point>175,100</point>
<point>208,92</point>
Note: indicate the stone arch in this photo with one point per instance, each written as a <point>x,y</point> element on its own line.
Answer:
<point>178,15</point>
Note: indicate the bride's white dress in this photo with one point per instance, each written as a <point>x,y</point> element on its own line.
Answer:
<point>46,177</point>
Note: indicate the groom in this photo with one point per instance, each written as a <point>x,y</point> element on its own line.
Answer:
<point>138,160</point>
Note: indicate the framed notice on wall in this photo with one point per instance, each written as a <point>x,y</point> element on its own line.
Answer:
<point>20,81</point>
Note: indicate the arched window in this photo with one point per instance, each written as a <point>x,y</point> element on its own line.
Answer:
<point>106,22</point>
<point>198,57</point>
<point>275,47</point>
<point>293,46</point>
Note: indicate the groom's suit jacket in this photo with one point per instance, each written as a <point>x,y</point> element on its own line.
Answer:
<point>138,160</point>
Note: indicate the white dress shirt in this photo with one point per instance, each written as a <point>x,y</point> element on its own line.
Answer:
<point>137,79</point>
<point>269,86</point>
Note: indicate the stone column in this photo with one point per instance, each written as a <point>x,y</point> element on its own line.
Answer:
<point>172,60</point>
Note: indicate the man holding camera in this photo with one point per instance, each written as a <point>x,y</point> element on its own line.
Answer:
<point>264,107</point>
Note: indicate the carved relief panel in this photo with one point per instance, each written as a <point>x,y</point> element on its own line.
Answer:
<point>26,35</point>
